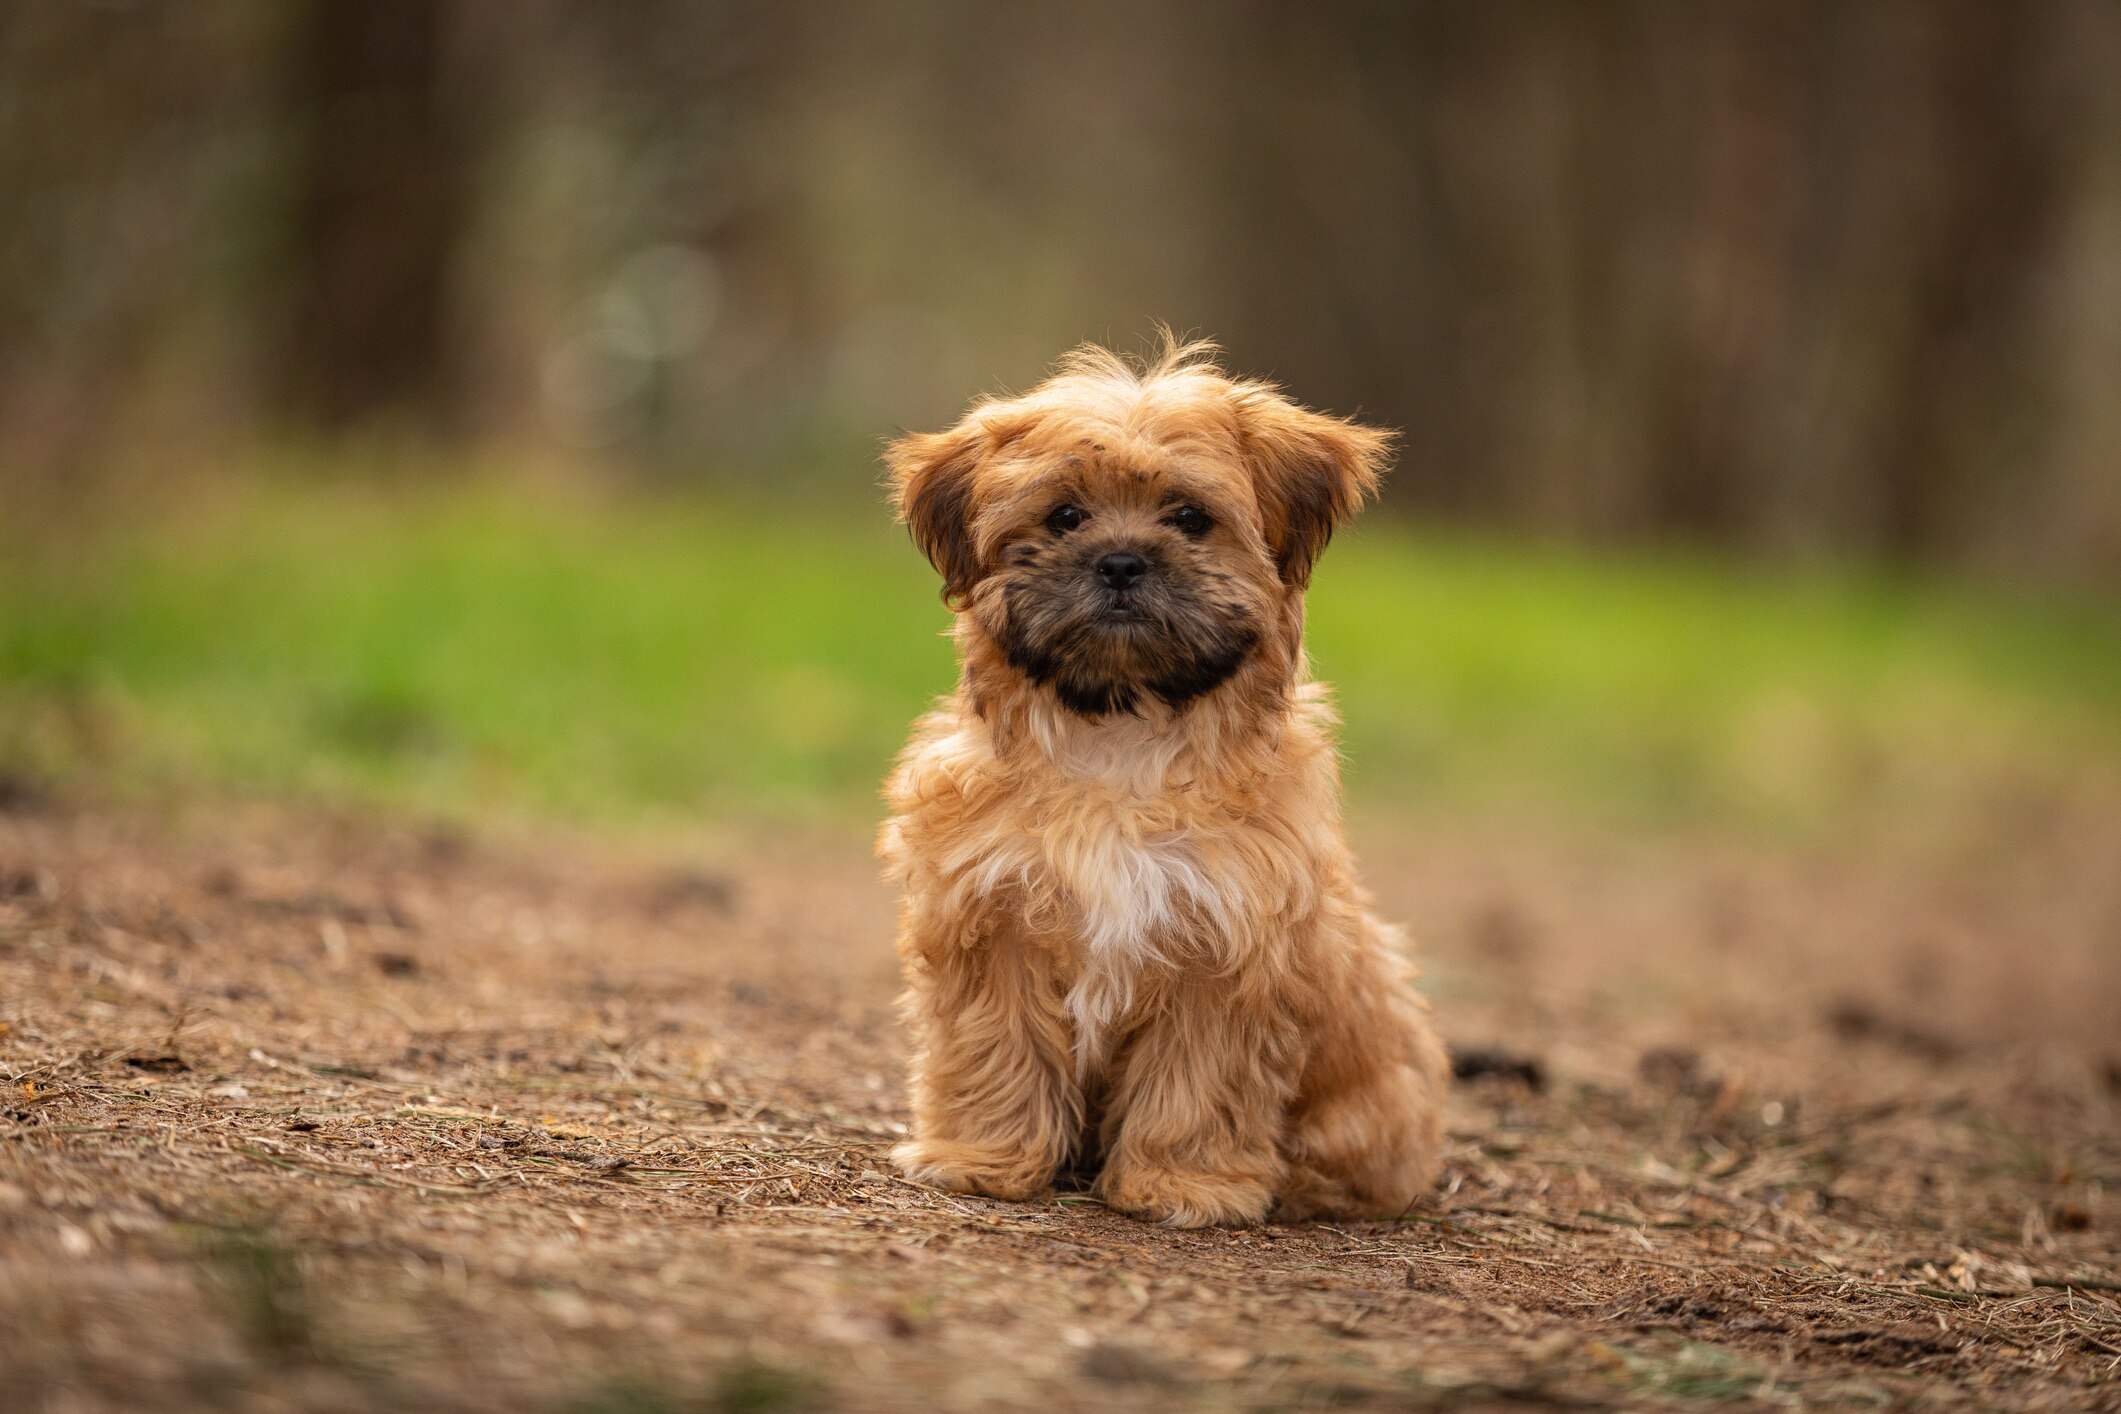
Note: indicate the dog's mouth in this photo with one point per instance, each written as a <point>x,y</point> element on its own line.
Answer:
<point>1123,608</point>
<point>1106,652</point>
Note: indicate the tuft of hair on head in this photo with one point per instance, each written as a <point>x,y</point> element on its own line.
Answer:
<point>1177,353</point>
<point>1172,354</point>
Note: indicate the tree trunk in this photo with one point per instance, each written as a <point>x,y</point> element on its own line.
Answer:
<point>382,177</point>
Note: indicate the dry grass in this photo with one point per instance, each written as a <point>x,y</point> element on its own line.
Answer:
<point>316,1113</point>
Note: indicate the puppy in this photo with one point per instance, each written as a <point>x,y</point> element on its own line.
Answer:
<point>1131,931</point>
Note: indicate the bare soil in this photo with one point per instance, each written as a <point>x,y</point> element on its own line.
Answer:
<point>312,1112</point>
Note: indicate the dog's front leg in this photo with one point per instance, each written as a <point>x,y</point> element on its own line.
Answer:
<point>1190,1132</point>
<point>996,1109</point>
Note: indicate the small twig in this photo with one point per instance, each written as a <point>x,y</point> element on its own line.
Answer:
<point>355,1175</point>
<point>2078,1283</point>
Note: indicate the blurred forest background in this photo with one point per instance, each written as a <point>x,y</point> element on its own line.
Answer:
<point>478,401</point>
<point>1792,276</point>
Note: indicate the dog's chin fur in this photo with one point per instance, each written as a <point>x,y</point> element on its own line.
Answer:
<point>1130,928</point>
<point>1096,665</point>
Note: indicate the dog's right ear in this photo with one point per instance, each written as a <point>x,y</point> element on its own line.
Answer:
<point>1313,472</point>
<point>932,474</point>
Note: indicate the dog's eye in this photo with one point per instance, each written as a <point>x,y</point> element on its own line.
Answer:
<point>1062,519</point>
<point>1191,520</point>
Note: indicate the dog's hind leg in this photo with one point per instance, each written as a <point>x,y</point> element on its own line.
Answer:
<point>1365,1134</point>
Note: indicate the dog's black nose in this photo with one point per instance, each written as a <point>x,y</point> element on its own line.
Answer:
<point>1121,568</point>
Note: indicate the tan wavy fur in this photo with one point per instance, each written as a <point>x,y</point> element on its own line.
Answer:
<point>1132,936</point>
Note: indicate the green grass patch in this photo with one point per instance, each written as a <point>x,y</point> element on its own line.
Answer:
<point>478,649</point>
<point>1683,689</point>
<point>748,1388</point>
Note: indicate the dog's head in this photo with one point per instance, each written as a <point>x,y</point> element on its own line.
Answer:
<point>1120,534</point>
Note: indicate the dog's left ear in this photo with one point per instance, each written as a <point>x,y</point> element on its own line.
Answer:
<point>932,474</point>
<point>1313,472</point>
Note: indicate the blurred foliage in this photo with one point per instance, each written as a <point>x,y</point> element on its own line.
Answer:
<point>745,1388</point>
<point>1795,276</point>
<point>470,647</point>
<point>266,1293</point>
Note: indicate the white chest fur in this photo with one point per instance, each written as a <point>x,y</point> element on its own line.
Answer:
<point>1128,898</point>
<point>1111,850</point>
<point>1141,896</point>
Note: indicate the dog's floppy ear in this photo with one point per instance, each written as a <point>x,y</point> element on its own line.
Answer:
<point>932,474</point>
<point>1312,471</point>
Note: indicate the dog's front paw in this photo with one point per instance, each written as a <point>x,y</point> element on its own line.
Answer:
<point>964,1168</point>
<point>1184,1197</point>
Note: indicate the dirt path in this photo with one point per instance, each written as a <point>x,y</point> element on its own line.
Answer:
<point>316,1114</point>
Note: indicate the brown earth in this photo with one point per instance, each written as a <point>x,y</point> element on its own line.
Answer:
<point>311,1112</point>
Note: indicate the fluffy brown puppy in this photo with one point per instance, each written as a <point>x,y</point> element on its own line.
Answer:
<point>1131,930</point>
